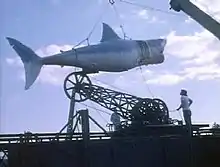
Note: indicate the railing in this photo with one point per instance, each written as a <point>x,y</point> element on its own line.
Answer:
<point>48,137</point>
<point>208,132</point>
<point>8,139</point>
<point>45,137</point>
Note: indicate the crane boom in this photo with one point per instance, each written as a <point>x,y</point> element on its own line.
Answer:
<point>130,107</point>
<point>151,111</point>
<point>198,15</point>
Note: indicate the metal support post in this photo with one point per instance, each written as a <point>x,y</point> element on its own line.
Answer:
<point>85,133</point>
<point>71,113</point>
<point>85,124</point>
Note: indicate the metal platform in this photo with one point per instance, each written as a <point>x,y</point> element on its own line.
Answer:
<point>199,130</point>
<point>57,150</point>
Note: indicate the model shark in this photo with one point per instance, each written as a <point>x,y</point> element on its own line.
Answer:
<point>111,54</point>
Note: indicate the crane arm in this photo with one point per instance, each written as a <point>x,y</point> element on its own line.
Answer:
<point>150,111</point>
<point>129,107</point>
<point>198,15</point>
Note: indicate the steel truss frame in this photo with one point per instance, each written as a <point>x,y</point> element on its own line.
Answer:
<point>130,107</point>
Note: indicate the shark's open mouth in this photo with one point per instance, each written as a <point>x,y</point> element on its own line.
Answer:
<point>151,51</point>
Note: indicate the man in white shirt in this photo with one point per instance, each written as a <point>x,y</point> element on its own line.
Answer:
<point>185,105</point>
<point>115,119</point>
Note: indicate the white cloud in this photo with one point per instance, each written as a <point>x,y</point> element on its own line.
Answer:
<point>189,20</point>
<point>143,14</point>
<point>199,48</point>
<point>52,49</point>
<point>198,54</point>
<point>211,71</point>
<point>211,7</point>
<point>154,19</point>
<point>54,75</point>
<point>166,79</point>
<point>14,61</point>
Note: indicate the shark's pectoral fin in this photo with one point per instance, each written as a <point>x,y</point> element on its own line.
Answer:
<point>108,33</point>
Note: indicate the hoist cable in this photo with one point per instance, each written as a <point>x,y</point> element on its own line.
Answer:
<point>118,16</point>
<point>145,81</point>
<point>99,113</point>
<point>112,3</point>
<point>93,28</point>
<point>151,8</point>
<point>95,108</point>
<point>172,111</point>
<point>118,89</point>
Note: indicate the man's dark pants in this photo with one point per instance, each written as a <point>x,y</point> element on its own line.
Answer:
<point>187,117</point>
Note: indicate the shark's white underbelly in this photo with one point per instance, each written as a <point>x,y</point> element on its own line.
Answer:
<point>110,61</point>
<point>117,60</point>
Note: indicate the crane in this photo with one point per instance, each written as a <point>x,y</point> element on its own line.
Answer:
<point>198,15</point>
<point>129,107</point>
<point>138,113</point>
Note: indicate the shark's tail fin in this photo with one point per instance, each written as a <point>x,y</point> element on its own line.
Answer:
<point>32,62</point>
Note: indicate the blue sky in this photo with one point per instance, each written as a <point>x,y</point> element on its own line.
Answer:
<point>192,59</point>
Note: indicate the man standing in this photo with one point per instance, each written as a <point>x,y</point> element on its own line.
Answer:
<point>115,119</point>
<point>185,105</point>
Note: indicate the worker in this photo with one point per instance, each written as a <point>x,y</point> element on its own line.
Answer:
<point>185,105</point>
<point>115,119</point>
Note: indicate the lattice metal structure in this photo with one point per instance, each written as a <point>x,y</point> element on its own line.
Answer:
<point>3,157</point>
<point>130,107</point>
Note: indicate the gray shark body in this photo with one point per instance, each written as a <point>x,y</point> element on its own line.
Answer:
<point>112,54</point>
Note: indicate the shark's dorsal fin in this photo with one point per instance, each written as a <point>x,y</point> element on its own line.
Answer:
<point>108,33</point>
